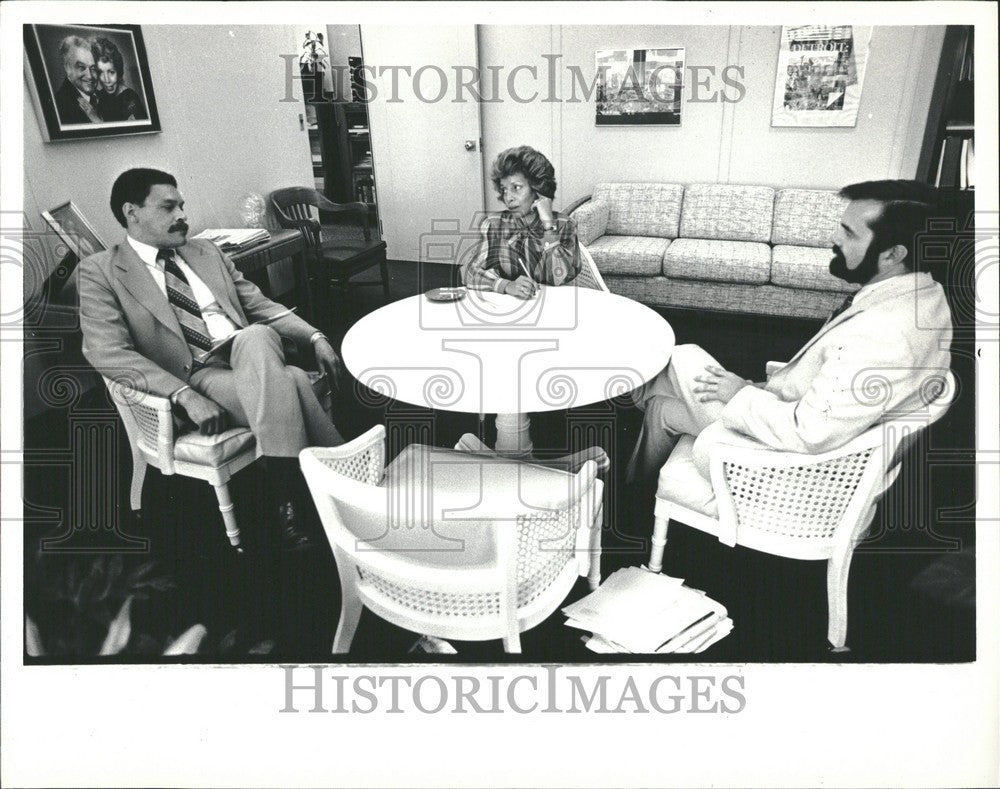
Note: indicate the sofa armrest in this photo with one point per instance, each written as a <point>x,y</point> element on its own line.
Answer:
<point>576,204</point>
<point>591,221</point>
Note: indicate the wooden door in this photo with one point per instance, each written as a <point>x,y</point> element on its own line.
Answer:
<point>426,147</point>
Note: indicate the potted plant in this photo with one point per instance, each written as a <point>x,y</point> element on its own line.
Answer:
<point>313,61</point>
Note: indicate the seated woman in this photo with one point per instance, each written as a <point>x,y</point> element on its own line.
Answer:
<point>115,100</point>
<point>529,243</point>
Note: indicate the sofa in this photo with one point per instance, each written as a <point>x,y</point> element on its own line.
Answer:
<point>726,247</point>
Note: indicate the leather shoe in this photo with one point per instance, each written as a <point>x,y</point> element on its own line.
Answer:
<point>293,538</point>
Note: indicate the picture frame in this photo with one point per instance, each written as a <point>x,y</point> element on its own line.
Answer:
<point>820,75</point>
<point>73,229</point>
<point>89,81</point>
<point>639,86</point>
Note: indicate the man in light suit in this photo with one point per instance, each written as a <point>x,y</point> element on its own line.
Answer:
<point>867,364</point>
<point>152,306</point>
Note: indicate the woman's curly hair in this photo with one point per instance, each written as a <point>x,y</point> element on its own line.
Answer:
<point>105,49</point>
<point>528,162</point>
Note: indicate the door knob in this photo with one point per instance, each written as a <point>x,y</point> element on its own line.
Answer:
<point>470,145</point>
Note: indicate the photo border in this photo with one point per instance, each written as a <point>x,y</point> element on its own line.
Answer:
<point>43,98</point>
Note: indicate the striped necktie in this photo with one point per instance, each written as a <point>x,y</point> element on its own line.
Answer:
<point>182,299</point>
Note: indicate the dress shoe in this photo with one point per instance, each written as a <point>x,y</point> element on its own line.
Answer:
<point>293,537</point>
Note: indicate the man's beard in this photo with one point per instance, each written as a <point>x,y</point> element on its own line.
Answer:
<point>861,275</point>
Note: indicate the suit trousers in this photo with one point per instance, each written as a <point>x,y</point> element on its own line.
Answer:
<point>276,401</point>
<point>671,409</point>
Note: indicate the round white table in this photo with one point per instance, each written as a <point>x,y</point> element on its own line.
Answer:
<point>490,353</point>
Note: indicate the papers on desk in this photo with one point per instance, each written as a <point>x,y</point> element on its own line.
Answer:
<point>235,240</point>
<point>636,611</point>
<point>225,342</point>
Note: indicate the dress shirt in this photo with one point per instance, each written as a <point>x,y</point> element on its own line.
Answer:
<point>866,291</point>
<point>218,323</point>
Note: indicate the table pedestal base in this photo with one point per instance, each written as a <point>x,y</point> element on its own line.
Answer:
<point>514,435</point>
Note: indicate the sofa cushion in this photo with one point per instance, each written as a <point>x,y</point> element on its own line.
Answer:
<point>213,450</point>
<point>444,485</point>
<point>806,217</point>
<point>642,209</point>
<point>681,482</point>
<point>805,267</point>
<point>735,297</point>
<point>719,261</point>
<point>727,211</point>
<point>591,221</point>
<point>635,255</point>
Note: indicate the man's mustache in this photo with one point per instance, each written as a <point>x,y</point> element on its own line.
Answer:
<point>179,226</point>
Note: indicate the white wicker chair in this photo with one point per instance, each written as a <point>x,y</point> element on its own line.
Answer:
<point>149,423</point>
<point>452,544</point>
<point>589,276</point>
<point>788,504</point>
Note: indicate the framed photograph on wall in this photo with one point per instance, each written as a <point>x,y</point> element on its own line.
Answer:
<point>74,230</point>
<point>640,86</point>
<point>89,81</point>
<point>821,70</point>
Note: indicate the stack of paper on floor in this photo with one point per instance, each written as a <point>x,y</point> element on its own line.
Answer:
<point>235,240</point>
<point>637,611</point>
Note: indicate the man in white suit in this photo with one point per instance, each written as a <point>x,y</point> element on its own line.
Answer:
<point>866,364</point>
<point>152,306</point>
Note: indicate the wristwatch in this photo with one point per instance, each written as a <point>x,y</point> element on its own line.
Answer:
<point>547,226</point>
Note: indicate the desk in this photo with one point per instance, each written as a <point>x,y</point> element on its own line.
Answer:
<point>281,245</point>
<point>494,354</point>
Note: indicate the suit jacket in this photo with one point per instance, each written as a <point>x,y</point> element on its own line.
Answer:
<point>68,105</point>
<point>867,365</point>
<point>130,329</point>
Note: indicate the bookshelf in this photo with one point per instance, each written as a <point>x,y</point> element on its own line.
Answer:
<point>947,158</point>
<point>340,146</point>
<point>359,151</point>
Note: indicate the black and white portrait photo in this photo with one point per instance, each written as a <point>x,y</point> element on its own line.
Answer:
<point>90,81</point>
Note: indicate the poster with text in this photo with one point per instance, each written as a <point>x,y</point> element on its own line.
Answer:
<point>821,71</point>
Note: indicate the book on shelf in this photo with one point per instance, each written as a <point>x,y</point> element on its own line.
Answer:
<point>956,163</point>
<point>951,161</point>
<point>235,240</point>
<point>636,611</point>
<point>970,164</point>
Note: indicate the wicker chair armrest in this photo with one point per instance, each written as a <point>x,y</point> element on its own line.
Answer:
<point>148,417</point>
<point>348,460</point>
<point>763,457</point>
<point>770,368</point>
<point>767,467</point>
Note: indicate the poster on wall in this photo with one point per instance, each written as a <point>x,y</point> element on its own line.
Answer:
<point>89,81</point>
<point>821,71</point>
<point>640,86</point>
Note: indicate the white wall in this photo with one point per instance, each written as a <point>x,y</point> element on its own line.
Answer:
<point>226,131</point>
<point>716,142</point>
